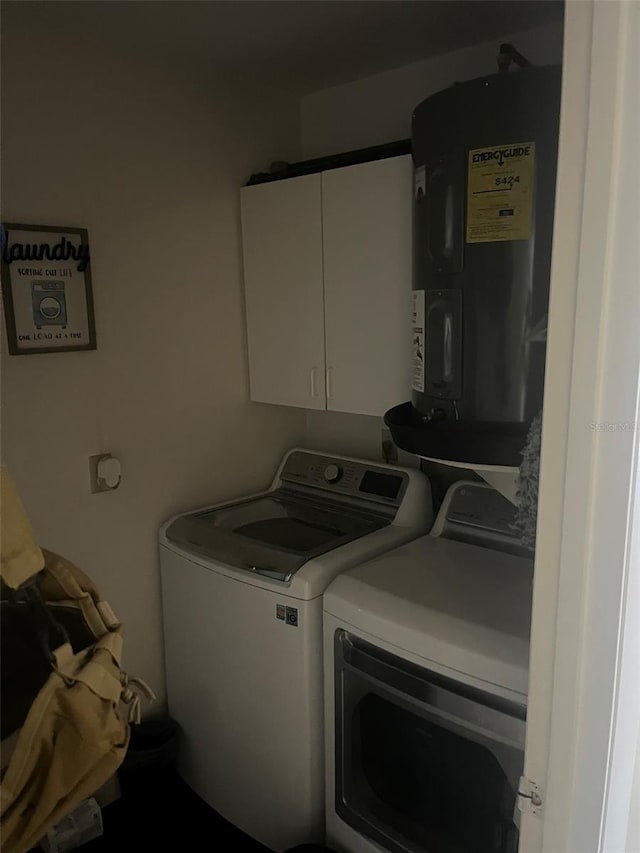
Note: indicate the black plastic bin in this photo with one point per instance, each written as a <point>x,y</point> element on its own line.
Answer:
<point>151,758</point>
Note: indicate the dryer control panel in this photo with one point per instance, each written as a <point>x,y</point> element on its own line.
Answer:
<point>478,514</point>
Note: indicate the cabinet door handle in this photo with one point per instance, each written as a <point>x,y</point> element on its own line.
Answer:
<point>329,382</point>
<point>312,381</point>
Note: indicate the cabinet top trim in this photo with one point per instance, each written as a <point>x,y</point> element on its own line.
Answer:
<point>282,171</point>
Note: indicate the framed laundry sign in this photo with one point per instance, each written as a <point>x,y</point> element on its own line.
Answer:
<point>46,289</point>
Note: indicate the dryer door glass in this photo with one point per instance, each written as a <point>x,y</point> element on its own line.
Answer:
<point>423,764</point>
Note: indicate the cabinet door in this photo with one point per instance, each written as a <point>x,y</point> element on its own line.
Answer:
<point>282,248</point>
<point>367,283</point>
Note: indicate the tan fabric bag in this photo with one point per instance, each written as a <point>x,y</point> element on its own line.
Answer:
<point>76,732</point>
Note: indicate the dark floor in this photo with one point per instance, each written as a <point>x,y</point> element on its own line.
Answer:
<point>160,812</point>
<point>165,814</point>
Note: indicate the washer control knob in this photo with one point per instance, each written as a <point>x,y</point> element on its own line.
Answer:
<point>332,473</point>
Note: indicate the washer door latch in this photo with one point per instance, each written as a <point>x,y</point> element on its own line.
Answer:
<point>529,797</point>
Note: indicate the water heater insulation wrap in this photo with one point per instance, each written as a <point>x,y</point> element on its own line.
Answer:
<point>484,157</point>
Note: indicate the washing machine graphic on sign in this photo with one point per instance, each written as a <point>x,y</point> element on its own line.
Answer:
<point>48,303</point>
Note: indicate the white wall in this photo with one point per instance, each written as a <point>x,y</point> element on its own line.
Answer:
<point>376,110</point>
<point>149,158</point>
<point>633,831</point>
<point>352,435</point>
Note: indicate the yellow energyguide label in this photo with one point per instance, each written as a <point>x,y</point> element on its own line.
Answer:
<point>500,192</point>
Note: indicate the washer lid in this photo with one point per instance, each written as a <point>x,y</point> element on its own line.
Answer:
<point>273,535</point>
<point>451,603</point>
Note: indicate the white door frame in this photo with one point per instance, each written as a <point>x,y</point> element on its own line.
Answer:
<point>583,716</point>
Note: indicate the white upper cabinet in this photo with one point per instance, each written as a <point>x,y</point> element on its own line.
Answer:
<point>282,247</point>
<point>327,262</point>
<point>366,222</point>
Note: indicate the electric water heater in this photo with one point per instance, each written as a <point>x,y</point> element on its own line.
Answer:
<point>484,156</point>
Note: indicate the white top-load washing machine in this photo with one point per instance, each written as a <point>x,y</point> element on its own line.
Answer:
<point>242,588</point>
<point>426,670</point>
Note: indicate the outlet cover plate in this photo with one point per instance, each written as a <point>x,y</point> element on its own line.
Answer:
<point>96,482</point>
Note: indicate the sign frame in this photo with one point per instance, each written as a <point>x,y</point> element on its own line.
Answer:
<point>75,266</point>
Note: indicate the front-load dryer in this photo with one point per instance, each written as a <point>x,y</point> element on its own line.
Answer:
<point>426,669</point>
<point>242,587</point>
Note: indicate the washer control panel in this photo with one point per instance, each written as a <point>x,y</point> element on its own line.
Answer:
<point>333,472</point>
<point>344,476</point>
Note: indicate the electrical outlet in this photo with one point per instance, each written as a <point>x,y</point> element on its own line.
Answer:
<point>388,449</point>
<point>104,473</point>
